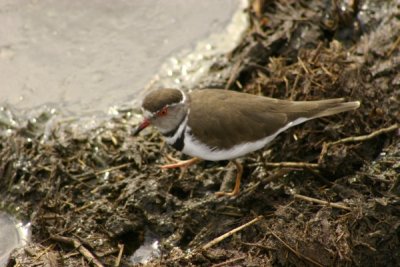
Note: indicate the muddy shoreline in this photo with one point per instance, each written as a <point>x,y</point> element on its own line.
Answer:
<point>94,197</point>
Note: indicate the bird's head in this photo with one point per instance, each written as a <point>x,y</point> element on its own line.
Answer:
<point>165,109</point>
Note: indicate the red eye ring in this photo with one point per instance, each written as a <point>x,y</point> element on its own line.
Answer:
<point>163,111</point>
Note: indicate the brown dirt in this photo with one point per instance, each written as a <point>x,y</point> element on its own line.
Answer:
<point>104,188</point>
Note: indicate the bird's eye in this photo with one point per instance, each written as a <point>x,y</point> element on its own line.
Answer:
<point>163,112</point>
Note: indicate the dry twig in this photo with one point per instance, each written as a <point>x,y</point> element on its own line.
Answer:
<point>78,245</point>
<point>297,253</point>
<point>322,202</point>
<point>352,139</point>
<point>46,250</point>
<point>228,234</point>
<point>395,45</point>
<point>83,175</point>
<point>118,260</point>
<point>291,164</point>
<point>113,168</point>
<point>229,261</point>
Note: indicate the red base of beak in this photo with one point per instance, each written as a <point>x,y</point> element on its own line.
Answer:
<point>140,127</point>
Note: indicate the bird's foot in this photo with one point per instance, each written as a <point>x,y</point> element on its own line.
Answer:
<point>179,163</point>
<point>183,164</point>
<point>236,189</point>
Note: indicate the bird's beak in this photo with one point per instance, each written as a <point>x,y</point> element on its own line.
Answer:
<point>141,126</point>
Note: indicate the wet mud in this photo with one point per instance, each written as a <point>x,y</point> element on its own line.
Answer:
<point>325,193</point>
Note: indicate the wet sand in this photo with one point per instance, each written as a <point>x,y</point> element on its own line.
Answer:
<point>84,57</point>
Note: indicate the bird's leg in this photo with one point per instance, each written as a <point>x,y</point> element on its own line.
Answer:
<point>183,164</point>
<point>236,189</point>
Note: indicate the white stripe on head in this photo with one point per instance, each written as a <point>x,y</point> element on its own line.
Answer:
<point>149,114</point>
<point>183,96</point>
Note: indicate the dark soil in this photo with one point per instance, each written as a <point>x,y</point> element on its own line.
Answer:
<point>93,195</point>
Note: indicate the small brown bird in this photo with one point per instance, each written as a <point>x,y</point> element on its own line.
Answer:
<point>214,124</point>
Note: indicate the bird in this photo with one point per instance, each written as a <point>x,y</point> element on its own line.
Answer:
<point>219,124</point>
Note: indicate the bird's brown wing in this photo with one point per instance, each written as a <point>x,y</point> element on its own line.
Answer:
<point>221,118</point>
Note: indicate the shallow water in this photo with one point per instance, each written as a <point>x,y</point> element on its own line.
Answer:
<point>147,251</point>
<point>84,56</point>
<point>12,235</point>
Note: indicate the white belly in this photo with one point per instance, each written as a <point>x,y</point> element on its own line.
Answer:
<point>194,148</point>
